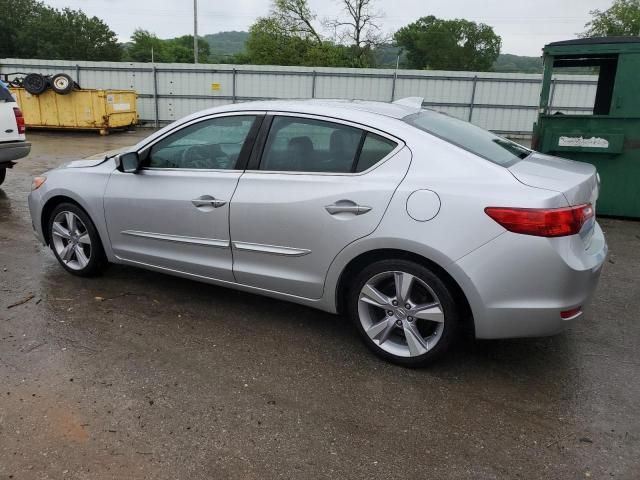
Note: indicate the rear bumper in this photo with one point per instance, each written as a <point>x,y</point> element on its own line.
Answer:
<point>12,151</point>
<point>518,285</point>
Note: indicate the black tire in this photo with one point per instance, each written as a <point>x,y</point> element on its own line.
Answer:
<point>3,174</point>
<point>97,258</point>
<point>35,84</point>
<point>452,317</point>
<point>62,84</point>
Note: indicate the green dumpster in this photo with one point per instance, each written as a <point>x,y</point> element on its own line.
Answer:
<point>607,136</point>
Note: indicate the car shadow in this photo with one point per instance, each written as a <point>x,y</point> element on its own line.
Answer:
<point>131,290</point>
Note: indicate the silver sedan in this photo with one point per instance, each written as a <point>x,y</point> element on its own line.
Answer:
<point>413,224</point>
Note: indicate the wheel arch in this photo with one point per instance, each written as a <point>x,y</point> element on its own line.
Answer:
<point>356,264</point>
<point>50,206</point>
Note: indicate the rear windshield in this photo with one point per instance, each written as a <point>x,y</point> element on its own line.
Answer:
<point>5,94</point>
<point>465,135</point>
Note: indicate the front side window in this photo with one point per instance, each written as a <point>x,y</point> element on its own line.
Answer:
<point>469,137</point>
<point>213,144</point>
<point>307,145</point>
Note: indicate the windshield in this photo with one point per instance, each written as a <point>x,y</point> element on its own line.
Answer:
<point>465,135</point>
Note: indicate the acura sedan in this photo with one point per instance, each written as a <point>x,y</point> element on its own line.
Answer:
<point>415,225</point>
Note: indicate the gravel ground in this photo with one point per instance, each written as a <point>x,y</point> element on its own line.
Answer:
<point>139,375</point>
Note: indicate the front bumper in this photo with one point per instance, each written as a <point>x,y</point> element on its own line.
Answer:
<point>35,209</point>
<point>12,151</point>
<point>517,285</point>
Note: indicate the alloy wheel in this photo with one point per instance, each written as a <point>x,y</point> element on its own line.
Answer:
<point>401,314</point>
<point>71,240</point>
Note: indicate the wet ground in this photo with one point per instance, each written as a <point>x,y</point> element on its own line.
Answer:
<point>139,375</point>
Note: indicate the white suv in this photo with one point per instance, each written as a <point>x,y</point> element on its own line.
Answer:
<point>12,139</point>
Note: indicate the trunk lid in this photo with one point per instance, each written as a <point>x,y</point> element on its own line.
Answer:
<point>577,181</point>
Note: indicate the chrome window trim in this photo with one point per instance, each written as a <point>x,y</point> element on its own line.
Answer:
<point>400,144</point>
<point>209,170</point>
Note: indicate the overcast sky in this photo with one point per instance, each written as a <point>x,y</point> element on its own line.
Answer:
<point>524,25</point>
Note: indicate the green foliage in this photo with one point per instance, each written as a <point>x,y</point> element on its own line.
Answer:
<point>621,19</point>
<point>516,64</point>
<point>175,50</point>
<point>30,29</point>
<point>288,36</point>
<point>270,43</point>
<point>436,44</point>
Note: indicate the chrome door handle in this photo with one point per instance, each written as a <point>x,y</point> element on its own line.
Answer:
<point>347,207</point>
<point>208,202</point>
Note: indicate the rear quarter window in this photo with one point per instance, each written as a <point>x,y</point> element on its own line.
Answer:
<point>374,149</point>
<point>469,137</point>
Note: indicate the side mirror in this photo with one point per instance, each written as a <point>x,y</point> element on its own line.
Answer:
<point>128,162</point>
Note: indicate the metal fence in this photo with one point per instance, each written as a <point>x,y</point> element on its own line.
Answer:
<point>505,103</point>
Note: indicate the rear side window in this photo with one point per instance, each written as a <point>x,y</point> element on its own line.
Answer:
<point>374,149</point>
<point>309,145</point>
<point>5,94</point>
<point>465,135</point>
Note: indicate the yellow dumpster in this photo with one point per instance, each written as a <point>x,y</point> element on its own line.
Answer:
<point>101,110</point>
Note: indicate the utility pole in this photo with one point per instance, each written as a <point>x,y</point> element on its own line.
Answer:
<point>195,31</point>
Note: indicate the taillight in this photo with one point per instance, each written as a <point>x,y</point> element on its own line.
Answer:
<point>542,222</point>
<point>19,120</point>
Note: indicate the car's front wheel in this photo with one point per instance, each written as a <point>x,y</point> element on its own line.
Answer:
<point>74,240</point>
<point>404,312</point>
<point>3,174</point>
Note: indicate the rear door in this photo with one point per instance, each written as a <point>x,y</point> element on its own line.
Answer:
<point>318,186</point>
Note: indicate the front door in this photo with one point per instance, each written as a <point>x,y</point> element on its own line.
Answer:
<point>319,186</point>
<point>174,213</point>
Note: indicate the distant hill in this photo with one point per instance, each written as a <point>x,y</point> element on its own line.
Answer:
<point>226,43</point>
<point>508,63</point>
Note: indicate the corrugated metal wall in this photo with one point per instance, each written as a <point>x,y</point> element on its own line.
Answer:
<point>505,102</point>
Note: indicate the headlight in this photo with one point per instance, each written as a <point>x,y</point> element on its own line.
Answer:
<point>38,182</point>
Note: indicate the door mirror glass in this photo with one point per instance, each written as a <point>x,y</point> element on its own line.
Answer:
<point>129,162</point>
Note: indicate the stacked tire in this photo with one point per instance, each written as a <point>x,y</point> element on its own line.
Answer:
<point>61,83</point>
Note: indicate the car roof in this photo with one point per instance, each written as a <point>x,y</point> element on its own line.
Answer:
<point>339,107</point>
<point>374,114</point>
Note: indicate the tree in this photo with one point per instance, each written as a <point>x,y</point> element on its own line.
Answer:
<point>621,19</point>
<point>30,29</point>
<point>174,50</point>
<point>181,49</point>
<point>291,35</point>
<point>145,46</point>
<point>295,18</point>
<point>269,43</point>
<point>359,28</point>
<point>436,44</point>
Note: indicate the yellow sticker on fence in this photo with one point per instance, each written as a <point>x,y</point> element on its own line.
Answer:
<point>215,87</point>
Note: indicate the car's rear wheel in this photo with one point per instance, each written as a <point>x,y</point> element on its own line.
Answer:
<point>404,312</point>
<point>3,174</point>
<point>75,241</point>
